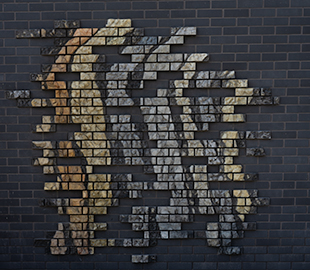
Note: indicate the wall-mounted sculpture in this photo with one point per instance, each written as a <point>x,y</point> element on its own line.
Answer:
<point>121,125</point>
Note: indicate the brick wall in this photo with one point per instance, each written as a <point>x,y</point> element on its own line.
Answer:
<point>264,42</point>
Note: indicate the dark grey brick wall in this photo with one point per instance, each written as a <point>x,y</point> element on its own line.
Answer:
<point>265,41</point>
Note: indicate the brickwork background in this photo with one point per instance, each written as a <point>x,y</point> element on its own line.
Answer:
<point>266,42</point>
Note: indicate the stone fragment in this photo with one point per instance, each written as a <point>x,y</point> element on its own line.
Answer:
<point>49,33</point>
<point>16,94</point>
<point>177,57</point>
<point>258,135</point>
<point>234,83</point>
<point>183,31</point>
<point>36,77</point>
<point>43,145</point>
<point>244,91</point>
<point>156,66</point>
<point>118,23</point>
<point>83,32</point>
<point>196,57</point>
<point>261,201</point>
<point>31,33</point>
<point>54,68</point>
<point>174,40</point>
<point>66,24</point>
<point>208,83</point>
<point>144,40</point>
<point>226,74</point>
<point>45,128</point>
<point>161,49</point>
<point>50,50</point>
<point>232,134</point>
<point>255,152</point>
<point>260,101</point>
<point>235,118</point>
<point>96,41</point>
<point>143,258</point>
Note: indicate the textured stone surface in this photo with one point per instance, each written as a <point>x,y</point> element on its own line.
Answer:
<point>162,137</point>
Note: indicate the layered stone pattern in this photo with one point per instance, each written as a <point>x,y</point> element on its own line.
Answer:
<point>166,135</point>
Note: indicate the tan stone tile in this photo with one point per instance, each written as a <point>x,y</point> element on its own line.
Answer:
<point>83,32</point>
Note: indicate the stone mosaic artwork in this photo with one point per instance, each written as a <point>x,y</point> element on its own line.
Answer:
<point>119,124</point>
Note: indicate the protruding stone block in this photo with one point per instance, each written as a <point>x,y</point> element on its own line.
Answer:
<point>183,31</point>
<point>118,23</point>
<point>31,33</point>
<point>17,94</point>
<point>66,24</point>
<point>143,258</point>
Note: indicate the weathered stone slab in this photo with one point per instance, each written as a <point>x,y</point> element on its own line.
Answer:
<point>183,31</point>
<point>66,24</point>
<point>31,33</point>
<point>16,94</point>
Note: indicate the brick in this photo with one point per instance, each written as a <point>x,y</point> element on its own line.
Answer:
<point>118,5</point>
<point>223,22</point>
<point>40,7</point>
<point>261,30</point>
<point>235,30</point>
<point>144,5</point>
<point>224,4</point>
<point>183,13</point>
<point>92,6</point>
<point>157,14</point>
<point>276,21</point>
<point>171,5</point>
<point>288,30</point>
<point>197,4</point>
<point>250,4</point>
<point>209,13</point>
<point>301,3</point>
<point>236,13</point>
<point>263,13</point>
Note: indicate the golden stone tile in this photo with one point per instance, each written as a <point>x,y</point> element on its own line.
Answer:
<point>63,59</point>
<point>103,202</point>
<point>73,42</point>
<point>79,218</point>
<point>84,50</point>
<point>241,193</point>
<point>81,85</point>
<point>232,168</point>
<point>96,41</point>
<point>116,40</point>
<point>101,185</point>
<point>90,93</point>
<point>74,169</point>
<point>233,118</point>
<point>72,49</point>
<point>105,32</point>
<point>98,242</point>
<point>73,210</point>
<point>76,186</point>
<point>58,68</point>
<point>81,67</point>
<point>98,210</point>
<point>62,111</point>
<point>53,85</point>
<point>51,186</point>
<point>83,32</point>
<point>98,194</point>
<point>97,226</point>
<point>244,91</point>
<point>61,94</point>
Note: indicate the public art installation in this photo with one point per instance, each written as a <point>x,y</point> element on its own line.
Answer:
<point>119,123</point>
